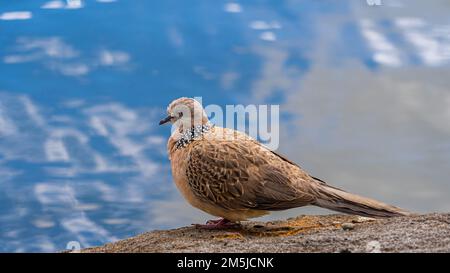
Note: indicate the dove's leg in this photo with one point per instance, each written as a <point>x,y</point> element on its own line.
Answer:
<point>214,221</point>
<point>218,224</point>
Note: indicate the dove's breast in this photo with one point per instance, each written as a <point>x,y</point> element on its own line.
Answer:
<point>179,159</point>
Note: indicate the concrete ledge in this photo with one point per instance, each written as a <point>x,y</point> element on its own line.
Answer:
<point>324,233</point>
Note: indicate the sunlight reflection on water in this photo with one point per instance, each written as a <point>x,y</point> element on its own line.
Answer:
<point>364,93</point>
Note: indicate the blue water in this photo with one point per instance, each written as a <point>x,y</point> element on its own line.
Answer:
<point>363,94</point>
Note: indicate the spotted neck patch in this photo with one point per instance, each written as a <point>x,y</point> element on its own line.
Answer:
<point>192,134</point>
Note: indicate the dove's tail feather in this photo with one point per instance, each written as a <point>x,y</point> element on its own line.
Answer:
<point>339,200</point>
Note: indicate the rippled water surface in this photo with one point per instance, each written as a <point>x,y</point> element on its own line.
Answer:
<point>364,95</point>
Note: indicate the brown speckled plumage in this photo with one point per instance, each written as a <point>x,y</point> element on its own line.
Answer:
<point>228,174</point>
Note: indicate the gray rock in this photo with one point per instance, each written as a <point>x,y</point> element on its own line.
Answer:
<point>422,233</point>
<point>348,226</point>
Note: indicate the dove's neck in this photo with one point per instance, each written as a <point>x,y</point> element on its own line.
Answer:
<point>196,132</point>
<point>181,138</point>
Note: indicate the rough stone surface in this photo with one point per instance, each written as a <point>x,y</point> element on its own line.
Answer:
<point>423,233</point>
<point>348,226</point>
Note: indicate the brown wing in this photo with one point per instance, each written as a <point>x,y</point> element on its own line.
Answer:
<point>282,157</point>
<point>239,175</point>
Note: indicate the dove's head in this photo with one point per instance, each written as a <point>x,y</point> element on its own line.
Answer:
<point>185,113</point>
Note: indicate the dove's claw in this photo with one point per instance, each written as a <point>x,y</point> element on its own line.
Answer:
<point>218,224</point>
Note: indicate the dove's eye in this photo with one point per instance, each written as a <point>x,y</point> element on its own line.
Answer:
<point>180,114</point>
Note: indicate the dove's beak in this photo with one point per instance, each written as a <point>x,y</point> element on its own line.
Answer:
<point>165,120</point>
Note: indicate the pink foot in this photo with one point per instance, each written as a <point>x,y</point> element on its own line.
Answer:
<point>210,222</point>
<point>218,224</point>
